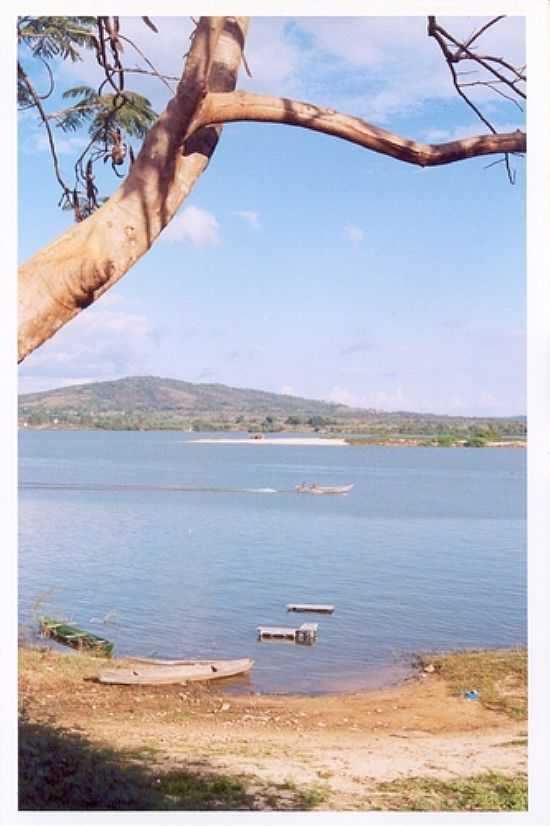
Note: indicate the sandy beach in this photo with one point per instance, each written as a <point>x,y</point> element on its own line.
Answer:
<point>286,752</point>
<point>299,442</point>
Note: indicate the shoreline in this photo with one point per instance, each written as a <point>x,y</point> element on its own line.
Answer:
<point>328,752</point>
<point>425,441</point>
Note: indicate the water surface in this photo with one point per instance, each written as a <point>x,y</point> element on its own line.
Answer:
<point>185,548</point>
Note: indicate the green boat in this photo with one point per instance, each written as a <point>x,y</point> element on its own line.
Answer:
<point>69,634</point>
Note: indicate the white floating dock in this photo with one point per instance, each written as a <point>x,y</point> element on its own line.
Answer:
<point>307,607</point>
<point>306,634</point>
<point>272,632</point>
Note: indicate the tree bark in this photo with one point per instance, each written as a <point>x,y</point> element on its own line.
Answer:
<point>79,266</point>
<point>245,106</point>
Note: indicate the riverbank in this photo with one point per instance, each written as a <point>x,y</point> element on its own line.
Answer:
<point>202,747</point>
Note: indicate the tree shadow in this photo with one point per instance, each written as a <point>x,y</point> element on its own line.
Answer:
<point>61,770</point>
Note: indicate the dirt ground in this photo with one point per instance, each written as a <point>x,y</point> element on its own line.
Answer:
<point>341,746</point>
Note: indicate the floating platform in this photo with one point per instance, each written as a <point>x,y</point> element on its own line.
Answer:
<point>306,634</point>
<point>306,607</point>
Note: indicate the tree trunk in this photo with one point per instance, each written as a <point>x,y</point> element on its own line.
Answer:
<point>79,266</point>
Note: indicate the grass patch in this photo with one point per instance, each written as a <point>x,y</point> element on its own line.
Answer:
<point>500,677</point>
<point>60,770</point>
<point>519,741</point>
<point>484,793</point>
<point>306,797</point>
<point>194,792</point>
<point>313,796</point>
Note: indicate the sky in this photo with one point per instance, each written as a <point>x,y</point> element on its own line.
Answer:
<point>304,264</point>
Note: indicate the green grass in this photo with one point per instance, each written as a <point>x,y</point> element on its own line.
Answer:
<point>489,792</point>
<point>307,797</point>
<point>313,796</point>
<point>194,792</point>
<point>500,677</point>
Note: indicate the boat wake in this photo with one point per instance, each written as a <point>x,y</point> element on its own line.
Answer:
<point>98,486</point>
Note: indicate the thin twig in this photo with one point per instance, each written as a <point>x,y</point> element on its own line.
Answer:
<point>44,118</point>
<point>151,66</point>
<point>483,29</point>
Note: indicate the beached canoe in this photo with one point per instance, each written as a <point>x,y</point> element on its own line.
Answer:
<point>69,634</point>
<point>197,671</point>
<point>312,487</point>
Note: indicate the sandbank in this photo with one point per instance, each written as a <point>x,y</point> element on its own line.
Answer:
<point>302,442</point>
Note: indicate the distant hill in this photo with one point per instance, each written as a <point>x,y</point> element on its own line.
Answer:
<point>149,402</point>
<point>152,394</point>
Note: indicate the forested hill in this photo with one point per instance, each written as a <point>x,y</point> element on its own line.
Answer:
<point>156,395</point>
<point>149,402</point>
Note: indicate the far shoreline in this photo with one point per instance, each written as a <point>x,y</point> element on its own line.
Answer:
<point>426,441</point>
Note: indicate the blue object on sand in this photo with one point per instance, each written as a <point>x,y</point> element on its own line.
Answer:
<point>471,695</point>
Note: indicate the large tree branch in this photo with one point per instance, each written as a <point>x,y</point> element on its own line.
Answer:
<point>246,106</point>
<point>79,266</point>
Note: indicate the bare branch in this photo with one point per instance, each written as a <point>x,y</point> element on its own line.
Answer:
<point>492,85</point>
<point>246,106</point>
<point>66,197</point>
<point>482,30</point>
<point>151,66</point>
<point>149,22</point>
<point>464,52</point>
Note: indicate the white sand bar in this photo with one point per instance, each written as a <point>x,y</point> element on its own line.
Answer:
<point>283,441</point>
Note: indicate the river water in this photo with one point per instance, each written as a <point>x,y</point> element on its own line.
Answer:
<point>176,549</point>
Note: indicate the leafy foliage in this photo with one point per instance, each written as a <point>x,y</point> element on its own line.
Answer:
<point>111,119</point>
<point>51,37</point>
<point>129,111</point>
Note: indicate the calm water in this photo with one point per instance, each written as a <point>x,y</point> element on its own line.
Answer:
<point>186,548</point>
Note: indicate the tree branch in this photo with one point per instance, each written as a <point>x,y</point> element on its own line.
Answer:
<point>245,106</point>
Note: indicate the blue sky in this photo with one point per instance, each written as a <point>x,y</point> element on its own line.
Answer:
<point>304,264</point>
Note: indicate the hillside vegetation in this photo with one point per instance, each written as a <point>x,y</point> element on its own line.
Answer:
<point>151,403</point>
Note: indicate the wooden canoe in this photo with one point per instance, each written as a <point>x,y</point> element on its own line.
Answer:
<point>154,661</point>
<point>166,674</point>
<point>313,487</point>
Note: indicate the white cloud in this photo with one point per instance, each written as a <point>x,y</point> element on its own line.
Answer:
<point>392,400</point>
<point>379,67</point>
<point>98,344</point>
<point>64,144</point>
<point>274,56</point>
<point>374,67</point>
<point>354,233</point>
<point>248,216</point>
<point>195,225</point>
<point>287,390</point>
<point>35,384</point>
<point>467,131</point>
<point>341,395</point>
<point>378,399</point>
